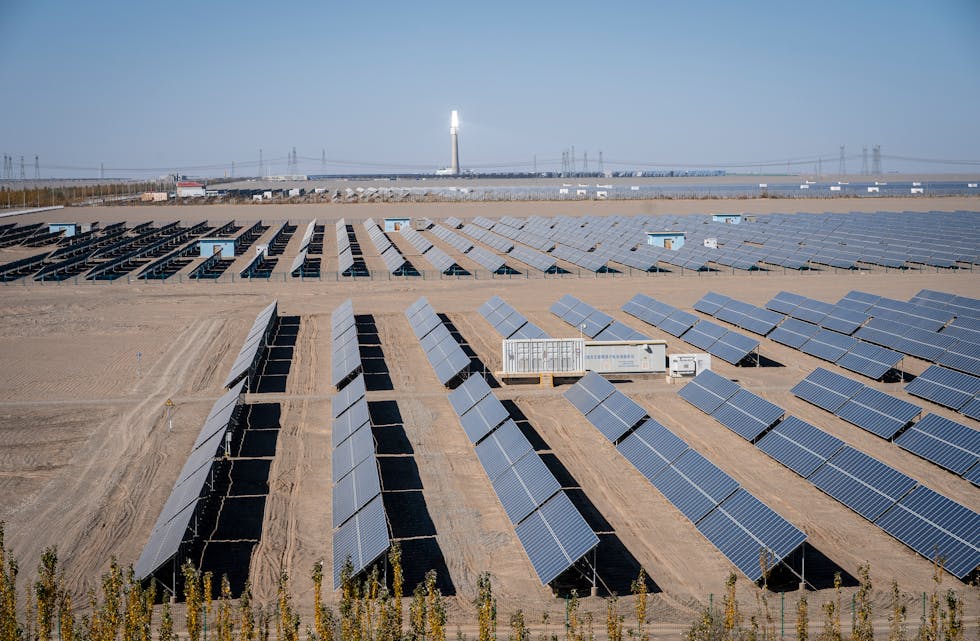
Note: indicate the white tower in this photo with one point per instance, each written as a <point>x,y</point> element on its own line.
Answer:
<point>453,129</point>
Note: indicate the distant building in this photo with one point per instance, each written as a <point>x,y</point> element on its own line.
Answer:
<point>730,219</point>
<point>69,229</point>
<point>395,224</point>
<point>154,196</point>
<point>188,189</point>
<point>212,246</point>
<point>666,239</point>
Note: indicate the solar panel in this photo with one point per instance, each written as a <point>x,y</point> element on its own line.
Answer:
<point>972,409</point>
<point>357,447</point>
<point>870,360</point>
<point>483,417</point>
<point>502,448</point>
<point>164,543</point>
<point>973,475</point>
<point>677,322</point>
<point>595,323</point>
<point>589,391</point>
<point>933,525</point>
<point>473,390</point>
<point>524,486</point>
<point>878,413</point>
<point>651,447</point>
<point>704,334</point>
<point>812,311</point>
<point>843,320</point>
<point>351,420</point>
<point>619,332</point>
<point>707,391</point>
<point>711,302</point>
<point>793,333</point>
<point>694,485</point>
<point>348,396</point>
<point>362,539</point>
<point>355,490</point>
<point>221,414</point>
<point>747,414</point>
<point>828,345</point>
<point>742,527</point>
<point>946,443</point>
<point>785,302</point>
<point>455,363</point>
<point>733,347</point>
<point>616,415</point>
<point>862,483</point>
<point>555,537</point>
<point>799,446</point>
<point>826,390</point>
<point>945,387</point>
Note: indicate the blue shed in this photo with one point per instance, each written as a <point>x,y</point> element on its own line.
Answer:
<point>211,246</point>
<point>666,239</point>
<point>70,229</point>
<point>729,219</point>
<point>395,224</point>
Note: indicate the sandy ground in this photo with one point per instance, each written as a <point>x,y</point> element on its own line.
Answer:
<point>87,462</point>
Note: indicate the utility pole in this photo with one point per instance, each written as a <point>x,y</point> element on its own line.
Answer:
<point>585,161</point>
<point>864,161</point>
<point>601,170</point>
<point>37,168</point>
<point>842,170</point>
<point>22,176</point>
<point>101,171</point>
<point>232,168</point>
<point>876,160</point>
<point>261,172</point>
<point>573,159</point>
<point>323,161</point>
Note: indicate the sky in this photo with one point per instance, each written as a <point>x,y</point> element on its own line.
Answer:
<point>146,88</point>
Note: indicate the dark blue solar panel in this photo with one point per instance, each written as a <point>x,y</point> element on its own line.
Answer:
<point>946,443</point>
<point>799,446</point>
<point>707,391</point>
<point>973,475</point>
<point>362,539</point>
<point>733,347</point>
<point>878,413</point>
<point>354,418</point>
<point>473,390</point>
<point>616,415</point>
<point>870,360</point>
<point>711,302</point>
<point>793,333</point>
<point>945,387</point>
<point>785,302</point>
<point>742,527</point>
<point>352,451</point>
<point>502,448</point>
<point>864,484</point>
<point>747,414</point>
<point>826,389</point>
<point>589,391</point>
<point>678,322</point>
<point>933,525</point>
<point>524,486</point>
<point>651,448</point>
<point>704,334</point>
<point>844,320</point>
<point>555,537</point>
<point>694,485</point>
<point>483,418</point>
<point>972,409</point>
<point>353,491</point>
<point>828,345</point>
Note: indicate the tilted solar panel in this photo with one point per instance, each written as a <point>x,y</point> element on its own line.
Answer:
<point>694,485</point>
<point>616,415</point>
<point>945,387</point>
<point>933,525</point>
<point>355,490</point>
<point>524,486</point>
<point>704,334</point>
<point>678,322</point>
<point>877,412</point>
<point>733,347</point>
<point>962,356</point>
<point>828,345</point>
<point>502,448</point>
<point>799,446</point>
<point>826,389</point>
<point>747,414</point>
<point>589,391</point>
<point>362,539</point>
<point>357,447</point>
<point>785,302</point>
<point>483,417</point>
<point>348,396</point>
<point>651,448</point>
<point>742,527</point>
<point>555,537</point>
<point>707,391</point>
<point>473,390</point>
<point>870,360</point>
<point>946,443</point>
<point>862,483</point>
<point>351,420</point>
<point>711,302</point>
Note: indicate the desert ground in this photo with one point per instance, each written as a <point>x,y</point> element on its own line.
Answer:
<point>87,461</point>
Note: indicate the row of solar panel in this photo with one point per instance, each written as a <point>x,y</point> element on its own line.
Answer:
<point>171,526</point>
<point>360,525</point>
<point>345,254</point>
<point>436,257</point>
<point>736,522</point>
<point>486,259</point>
<point>738,409</point>
<point>508,322</point>
<point>592,322</point>
<point>946,443</point>
<point>248,355</point>
<point>552,531</point>
<point>729,346</point>
<point>443,351</point>
<point>924,520</point>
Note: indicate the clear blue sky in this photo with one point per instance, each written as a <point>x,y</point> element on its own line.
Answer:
<point>182,84</point>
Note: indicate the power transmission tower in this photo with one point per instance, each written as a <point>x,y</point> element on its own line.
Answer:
<point>573,159</point>
<point>323,161</point>
<point>22,176</point>
<point>295,169</point>
<point>842,170</point>
<point>819,166</point>
<point>101,171</point>
<point>37,168</point>
<point>232,168</point>
<point>876,160</point>
<point>585,161</point>
<point>261,171</point>
<point>864,161</point>
<point>600,163</point>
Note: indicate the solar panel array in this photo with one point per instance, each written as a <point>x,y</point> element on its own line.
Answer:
<point>741,411</point>
<point>248,356</point>
<point>946,443</point>
<point>170,529</point>
<point>345,255</point>
<point>443,351</point>
<point>729,346</point>
<point>860,482</point>
<point>509,322</point>
<point>552,531</point>
<point>737,523</point>
<point>945,387</point>
<point>346,356</point>
<point>436,257</point>
<point>392,257</point>
<point>866,407</point>
<point>359,520</point>
<point>592,322</point>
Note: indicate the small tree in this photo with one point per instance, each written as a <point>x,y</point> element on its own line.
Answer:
<point>831,627</point>
<point>46,593</point>
<point>8,593</point>
<point>246,616</point>
<point>224,625</point>
<point>397,585</point>
<point>896,616</point>
<point>417,613</point>
<point>287,625</point>
<point>732,620</point>
<point>518,628</point>
<point>166,632</point>
<point>192,600</point>
<point>802,618</point>
<point>863,629</point>
<point>614,620</point>
<point>66,615</point>
<point>640,603</point>
<point>435,608</point>
<point>486,609</point>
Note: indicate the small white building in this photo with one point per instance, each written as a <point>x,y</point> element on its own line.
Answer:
<point>188,189</point>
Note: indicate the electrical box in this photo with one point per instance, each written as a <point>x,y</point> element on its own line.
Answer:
<point>689,365</point>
